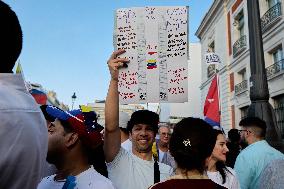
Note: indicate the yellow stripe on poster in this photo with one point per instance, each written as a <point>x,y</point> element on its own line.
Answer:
<point>152,61</point>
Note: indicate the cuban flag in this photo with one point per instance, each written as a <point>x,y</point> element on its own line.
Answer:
<point>211,105</point>
<point>39,96</point>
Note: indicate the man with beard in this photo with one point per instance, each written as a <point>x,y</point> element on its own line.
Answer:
<point>255,157</point>
<point>137,169</point>
<point>72,142</point>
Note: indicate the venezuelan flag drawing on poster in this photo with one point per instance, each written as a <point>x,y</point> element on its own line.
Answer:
<point>211,105</point>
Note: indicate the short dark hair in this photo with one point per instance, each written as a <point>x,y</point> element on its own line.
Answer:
<point>11,38</point>
<point>254,122</point>
<point>66,125</point>
<point>202,141</point>
<point>234,135</point>
<point>144,117</point>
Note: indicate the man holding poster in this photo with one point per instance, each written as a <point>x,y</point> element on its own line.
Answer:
<point>136,169</point>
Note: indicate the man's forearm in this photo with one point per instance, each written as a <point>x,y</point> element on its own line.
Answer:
<point>112,131</point>
<point>112,107</point>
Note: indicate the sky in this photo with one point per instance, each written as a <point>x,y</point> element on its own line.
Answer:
<point>66,43</point>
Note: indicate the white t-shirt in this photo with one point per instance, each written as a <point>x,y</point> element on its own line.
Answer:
<point>89,179</point>
<point>232,181</point>
<point>127,171</point>
<point>23,135</point>
<point>127,145</point>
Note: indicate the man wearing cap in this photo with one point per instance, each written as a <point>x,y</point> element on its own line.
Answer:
<point>49,169</point>
<point>23,132</point>
<point>48,118</point>
<point>136,170</point>
<point>123,121</point>
<point>72,139</point>
<point>255,157</point>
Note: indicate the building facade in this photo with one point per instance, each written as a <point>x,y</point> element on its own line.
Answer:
<point>99,107</point>
<point>224,30</point>
<point>193,107</point>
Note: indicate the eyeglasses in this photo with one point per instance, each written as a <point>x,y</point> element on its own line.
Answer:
<point>240,131</point>
<point>165,134</point>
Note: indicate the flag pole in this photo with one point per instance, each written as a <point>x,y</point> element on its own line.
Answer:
<point>219,99</point>
<point>212,108</point>
<point>218,89</point>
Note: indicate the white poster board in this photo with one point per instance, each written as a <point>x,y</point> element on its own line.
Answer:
<point>156,43</point>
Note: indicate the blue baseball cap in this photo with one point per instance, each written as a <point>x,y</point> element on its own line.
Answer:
<point>83,123</point>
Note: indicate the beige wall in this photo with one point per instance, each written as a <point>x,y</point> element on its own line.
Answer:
<point>192,107</point>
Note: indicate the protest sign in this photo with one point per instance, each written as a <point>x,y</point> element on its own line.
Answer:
<point>156,43</point>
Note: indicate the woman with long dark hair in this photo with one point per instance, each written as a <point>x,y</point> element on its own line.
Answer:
<point>192,142</point>
<point>216,169</point>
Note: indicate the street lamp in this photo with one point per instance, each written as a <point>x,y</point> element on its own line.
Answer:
<point>73,99</point>
<point>259,94</point>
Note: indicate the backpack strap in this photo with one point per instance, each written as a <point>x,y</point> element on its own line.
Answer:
<point>156,170</point>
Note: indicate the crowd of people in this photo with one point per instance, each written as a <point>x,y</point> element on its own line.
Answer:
<point>48,148</point>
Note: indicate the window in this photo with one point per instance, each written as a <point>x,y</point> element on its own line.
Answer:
<point>271,3</point>
<point>243,74</point>
<point>211,47</point>
<point>240,23</point>
<point>279,113</point>
<point>277,62</point>
<point>242,86</point>
<point>211,70</point>
<point>240,43</point>
<point>244,112</point>
<point>279,100</point>
<point>278,55</point>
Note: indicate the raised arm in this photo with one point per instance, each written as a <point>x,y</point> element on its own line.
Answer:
<point>112,132</point>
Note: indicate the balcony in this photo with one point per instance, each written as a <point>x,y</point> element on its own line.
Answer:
<point>211,70</point>
<point>275,68</point>
<point>241,87</point>
<point>273,14</point>
<point>239,46</point>
<point>279,113</point>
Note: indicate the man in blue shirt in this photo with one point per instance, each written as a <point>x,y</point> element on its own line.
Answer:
<point>254,158</point>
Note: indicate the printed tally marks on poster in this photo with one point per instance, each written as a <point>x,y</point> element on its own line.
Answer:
<point>156,43</point>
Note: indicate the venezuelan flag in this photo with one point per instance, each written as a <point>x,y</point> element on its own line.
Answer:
<point>39,96</point>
